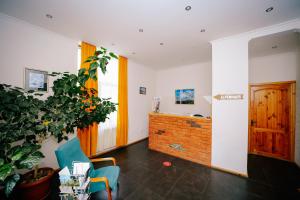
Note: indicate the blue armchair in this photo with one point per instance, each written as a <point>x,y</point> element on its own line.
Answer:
<point>105,178</point>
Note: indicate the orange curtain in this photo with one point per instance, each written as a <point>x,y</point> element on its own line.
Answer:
<point>122,122</point>
<point>88,136</point>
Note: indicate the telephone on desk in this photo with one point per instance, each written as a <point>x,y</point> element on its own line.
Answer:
<point>197,115</point>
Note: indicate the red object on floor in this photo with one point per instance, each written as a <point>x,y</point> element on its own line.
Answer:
<point>167,164</point>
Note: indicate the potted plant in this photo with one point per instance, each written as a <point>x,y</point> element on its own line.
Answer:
<point>26,121</point>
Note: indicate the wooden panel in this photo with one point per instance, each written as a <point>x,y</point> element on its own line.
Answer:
<point>193,134</point>
<point>271,132</point>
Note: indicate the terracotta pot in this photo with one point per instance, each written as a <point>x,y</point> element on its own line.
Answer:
<point>36,190</point>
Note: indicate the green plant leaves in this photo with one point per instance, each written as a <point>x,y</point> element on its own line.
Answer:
<point>11,183</point>
<point>5,171</point>
<point>113,55</point>
<point>30,161</point>
<point>25,119</point>
<point>81,71</point>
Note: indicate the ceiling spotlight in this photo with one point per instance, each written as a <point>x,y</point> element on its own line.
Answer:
<point>274,47</point>
<point>269,9</point>
<point>133,53</point>
<point>161,43</point>
<point>141,30</point>
<point>49,16</point>
<point>188,8</point>
<point>202,30</point>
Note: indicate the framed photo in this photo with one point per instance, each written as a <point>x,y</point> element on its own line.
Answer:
<point>36,80</point>
<point>143,90</point>
<point>184,96</point>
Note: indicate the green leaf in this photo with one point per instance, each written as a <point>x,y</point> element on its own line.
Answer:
<point>17,155</point>
<point>113,55</point>
<point>30,161</point>
<point>98,52</point>
<point>11,183</point>
<point>1,161</point>
<point>93,66</point>
<point>38,154</point>
<point>39,127</point>
<point>5,171</point>
<point>81,71</point>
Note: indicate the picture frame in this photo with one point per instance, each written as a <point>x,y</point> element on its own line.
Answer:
<point>36,80</point>
<point>143,90</point>
<point>184,96</point>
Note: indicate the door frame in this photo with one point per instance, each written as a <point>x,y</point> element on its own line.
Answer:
<point>292,115</point>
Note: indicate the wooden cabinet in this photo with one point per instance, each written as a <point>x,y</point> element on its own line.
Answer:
<point>181,136</point>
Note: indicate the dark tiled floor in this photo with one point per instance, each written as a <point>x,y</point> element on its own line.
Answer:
<point>144,177</point>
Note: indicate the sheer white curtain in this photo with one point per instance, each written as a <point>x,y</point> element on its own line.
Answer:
<point>108,88</point>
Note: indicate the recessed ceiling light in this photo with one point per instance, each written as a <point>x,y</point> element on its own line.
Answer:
<point>49,16</point>
<point>161,43</point>
<point>133,53</point>
<point>269,9</point>
<point>274,47</point>
<point>112,44</point>
<point>141,30</point>
<point>188,8</point>
<point>202,30</point>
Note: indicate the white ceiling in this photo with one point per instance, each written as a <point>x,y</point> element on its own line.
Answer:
<point>288,41</point>
<point>107,22</point>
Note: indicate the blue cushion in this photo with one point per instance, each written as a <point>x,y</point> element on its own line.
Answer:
<point>111,173</point>
<point>69,152</point>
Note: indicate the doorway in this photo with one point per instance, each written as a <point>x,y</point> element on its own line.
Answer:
<point>272,119</point>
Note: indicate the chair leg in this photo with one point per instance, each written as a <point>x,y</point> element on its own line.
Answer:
<point>109,194</point>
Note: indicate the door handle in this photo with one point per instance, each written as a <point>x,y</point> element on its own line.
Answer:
<point>253,122</point>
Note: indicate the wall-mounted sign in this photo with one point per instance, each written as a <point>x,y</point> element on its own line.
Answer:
<point>229,96</point>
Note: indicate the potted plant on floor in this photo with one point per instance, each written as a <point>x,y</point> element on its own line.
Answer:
<point>26,121</point>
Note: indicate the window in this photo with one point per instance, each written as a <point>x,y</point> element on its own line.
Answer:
<point>108,88</point>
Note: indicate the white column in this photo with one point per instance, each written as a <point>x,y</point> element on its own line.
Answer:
<point>230,117</point>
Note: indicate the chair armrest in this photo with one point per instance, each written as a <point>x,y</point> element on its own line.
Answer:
<point>104,159</point>
<point>100,179</point>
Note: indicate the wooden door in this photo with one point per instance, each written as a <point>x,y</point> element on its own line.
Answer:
<point>271,120</point>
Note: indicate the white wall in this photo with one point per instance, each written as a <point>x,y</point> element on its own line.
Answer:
<point>230,75</point>
<point>196,76</point>
<point>24,45</point>
<point>139,105</point>
<point>274,67</point>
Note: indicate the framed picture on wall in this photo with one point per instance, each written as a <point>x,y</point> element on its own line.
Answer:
<point>36,80</point>
<point>143,90</point>
<point>184,96</point>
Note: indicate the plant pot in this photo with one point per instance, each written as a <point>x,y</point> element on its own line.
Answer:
<point>38,189</point>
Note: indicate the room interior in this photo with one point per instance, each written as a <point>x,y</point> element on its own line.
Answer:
<point>207,107</point>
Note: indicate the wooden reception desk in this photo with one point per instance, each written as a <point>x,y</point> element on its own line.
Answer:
<point>181,136</point>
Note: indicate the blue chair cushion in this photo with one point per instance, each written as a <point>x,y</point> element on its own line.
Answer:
<point>110,172</point>
<point>69,152</point>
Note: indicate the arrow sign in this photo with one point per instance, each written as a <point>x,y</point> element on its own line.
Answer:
<point>229,96</point>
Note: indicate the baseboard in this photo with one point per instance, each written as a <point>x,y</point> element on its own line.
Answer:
<point>230,171</point>
<point>113,149</point>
